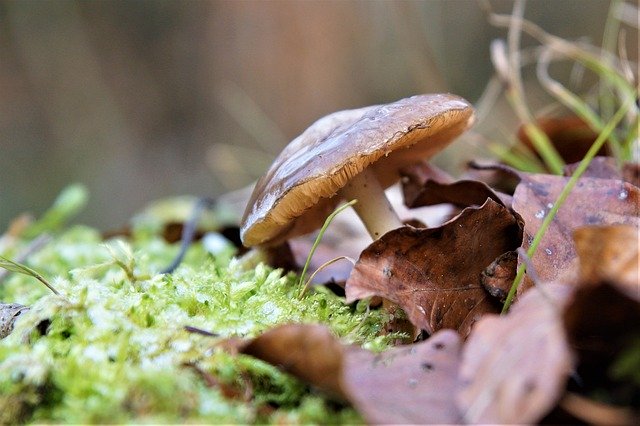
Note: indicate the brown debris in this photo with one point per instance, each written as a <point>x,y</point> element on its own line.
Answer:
<point>498,277</point>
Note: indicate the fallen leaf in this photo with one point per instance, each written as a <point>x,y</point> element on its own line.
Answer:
<point>631,173</point>
<point>412,384</point>
<point>434,274</point>
<point>514,367</point>
<point>420,189</point>
<point>599,167</point>
<point>592,201</point>
<point>408,384</point>
<point>309,352</point>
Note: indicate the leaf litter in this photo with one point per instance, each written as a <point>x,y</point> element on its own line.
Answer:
<point>522,367</point>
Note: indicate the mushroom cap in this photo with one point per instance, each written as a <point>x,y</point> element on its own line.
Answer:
<point>299,190</point>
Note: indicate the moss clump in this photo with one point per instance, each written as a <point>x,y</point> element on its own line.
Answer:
<point>113,346</point>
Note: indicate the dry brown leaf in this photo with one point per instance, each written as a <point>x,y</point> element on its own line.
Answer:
<point>631,173</point>
<point>421,189</point>
<point>413,384</point>
<point>599,167</point>
<point>592,202</point>
<point>408,384</point>
<point>309,352</point>
<point>607,168</point>
<point>434,274</point>
<point>514,367</point>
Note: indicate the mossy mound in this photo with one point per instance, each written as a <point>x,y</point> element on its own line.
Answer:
<point>113,347</point>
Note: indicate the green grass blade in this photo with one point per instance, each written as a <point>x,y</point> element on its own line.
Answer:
<point>326,224</point>
<point>12,266</point>
<point>602,138</point>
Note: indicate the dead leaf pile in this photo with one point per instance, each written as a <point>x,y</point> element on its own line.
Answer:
<point>568,337</point>
<point>535,363</point>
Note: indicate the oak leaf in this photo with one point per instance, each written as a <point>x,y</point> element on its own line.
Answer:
<point>434,274</point>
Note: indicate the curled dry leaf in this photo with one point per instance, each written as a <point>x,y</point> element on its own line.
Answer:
<point>498,277</point>
<point>409,384</point>
<point>421,189</point>
<point>9,312</point>
<point>593,201</point>
<point>434,274</point>
<point>514,367</point>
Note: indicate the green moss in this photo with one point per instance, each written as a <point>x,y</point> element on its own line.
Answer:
<point>113,347</point>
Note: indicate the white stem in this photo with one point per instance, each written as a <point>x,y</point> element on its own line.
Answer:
<point>372,207</point>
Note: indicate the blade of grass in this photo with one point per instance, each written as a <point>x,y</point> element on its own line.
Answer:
<point>609,38</point>
<point>320,268</point>
<point>573,50</point>
<point>12,266</point>
<point>326,224</point>
<point>611,125</point>
<point>515,159</point>
<point>631,140</point>
<point>508,64</point>
<point>574,102</point>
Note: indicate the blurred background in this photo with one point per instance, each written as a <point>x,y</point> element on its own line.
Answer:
<point>145,99</point>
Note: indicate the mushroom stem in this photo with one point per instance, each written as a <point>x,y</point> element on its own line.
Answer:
<point>372,207</point>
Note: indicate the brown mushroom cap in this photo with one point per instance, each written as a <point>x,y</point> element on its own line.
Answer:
<point>299,190</point>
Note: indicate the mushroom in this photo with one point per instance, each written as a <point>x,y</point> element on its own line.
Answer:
<point>352,154</point>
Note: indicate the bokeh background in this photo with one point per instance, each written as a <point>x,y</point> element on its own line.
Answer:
<point>145,99</point>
